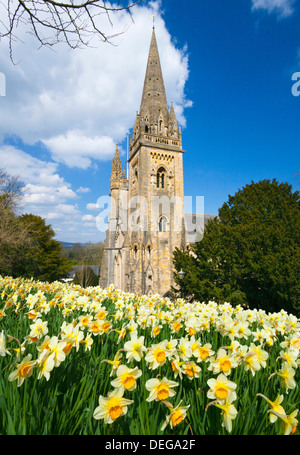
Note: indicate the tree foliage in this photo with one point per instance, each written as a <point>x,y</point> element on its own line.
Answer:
<point>13,236</point>
<point>43,258</point>
<point>250,254</point>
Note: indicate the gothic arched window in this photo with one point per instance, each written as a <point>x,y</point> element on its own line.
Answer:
<point>162,224</point>
<point>160,178</point>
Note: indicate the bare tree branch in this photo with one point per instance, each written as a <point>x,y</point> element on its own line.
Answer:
<point>73,22</point>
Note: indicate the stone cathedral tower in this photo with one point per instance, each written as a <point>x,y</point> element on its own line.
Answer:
<point>146,220</point>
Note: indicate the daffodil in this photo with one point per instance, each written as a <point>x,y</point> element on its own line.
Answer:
<point>157,355</point>
<point>135,348</point>
<point>229,412</point>
<point>38,329</point>
<point>286,374</point>
<point>126,377</point>
<point>87,342</point>
<point>3,350</point>
<point>112,407</point>
<point>220,387</point>
<point>289,421</point>
<point>191,369</point>
<point>176,364</point>
<point>160,389</point>
<point>251,362</point>
<point>275,406</point>
<point>24,370</point>
<point>176,415</point>
<point>203,353</point>
<point>290,356</point>
<point>184,349</point>
<point>115,363</point>
<point>262,355</point>
<point>222,363</point>
<point>57,348</point>
<point>46,363</point>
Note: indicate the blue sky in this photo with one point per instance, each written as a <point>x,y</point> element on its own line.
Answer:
<point>227,66</point>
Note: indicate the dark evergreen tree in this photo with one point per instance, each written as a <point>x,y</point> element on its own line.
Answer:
<point>250,254</point>
<point>42,259</point>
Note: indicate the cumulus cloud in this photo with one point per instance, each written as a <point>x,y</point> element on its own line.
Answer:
<point>92,206</point>
<point>282,7</point>
<point>82,189</point>
<point>75,149</point>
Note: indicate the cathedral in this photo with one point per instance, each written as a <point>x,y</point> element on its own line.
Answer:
<point>147,220</point>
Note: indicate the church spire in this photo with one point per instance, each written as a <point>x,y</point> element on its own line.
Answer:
<point>154,101</point>
<point>117,178</point>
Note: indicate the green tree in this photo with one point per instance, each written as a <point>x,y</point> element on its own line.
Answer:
<point>13,237</point>
<point>42,259</point>
<point>250,254</point>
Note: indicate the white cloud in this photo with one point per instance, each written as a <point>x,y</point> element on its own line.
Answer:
<point>82,189</point>
<point>93,206</point>
<point>283,7</point>
<point>75,149</point>
<point>88,218</point>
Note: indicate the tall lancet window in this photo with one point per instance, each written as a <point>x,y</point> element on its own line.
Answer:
<point>160,178</point>
<point>162,224</point>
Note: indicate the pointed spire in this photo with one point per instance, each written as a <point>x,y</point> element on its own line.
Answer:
<point>154,95</point>
<point>116,164</point>
<point>116,170</point>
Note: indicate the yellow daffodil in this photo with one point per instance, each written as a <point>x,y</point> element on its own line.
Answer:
<point>220,387</point>
<point>262,355</point>
<point>290,356</point>
<point>251,362</point>
<point>202,353</point>
<point>46,363</point>
<point>176,416</point>
<point>289,421</point>
<point>24,370</point>
<point>184,349</point>
<point>171,346</point>
<point>135,348</point>
<point>112,407</point>
<point>57,348</point>
<point>222,363</point>
<point>126,377</point>
<point>229,412</point>
<point>38,329</point>
<point>176,364</point>
<point>157,355</point>
<point>87,343</point>
<point>286,374</point>
<point>191,369</point>
<point>160,390</point>
<point>3,350</point>
<point>275,406</point>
